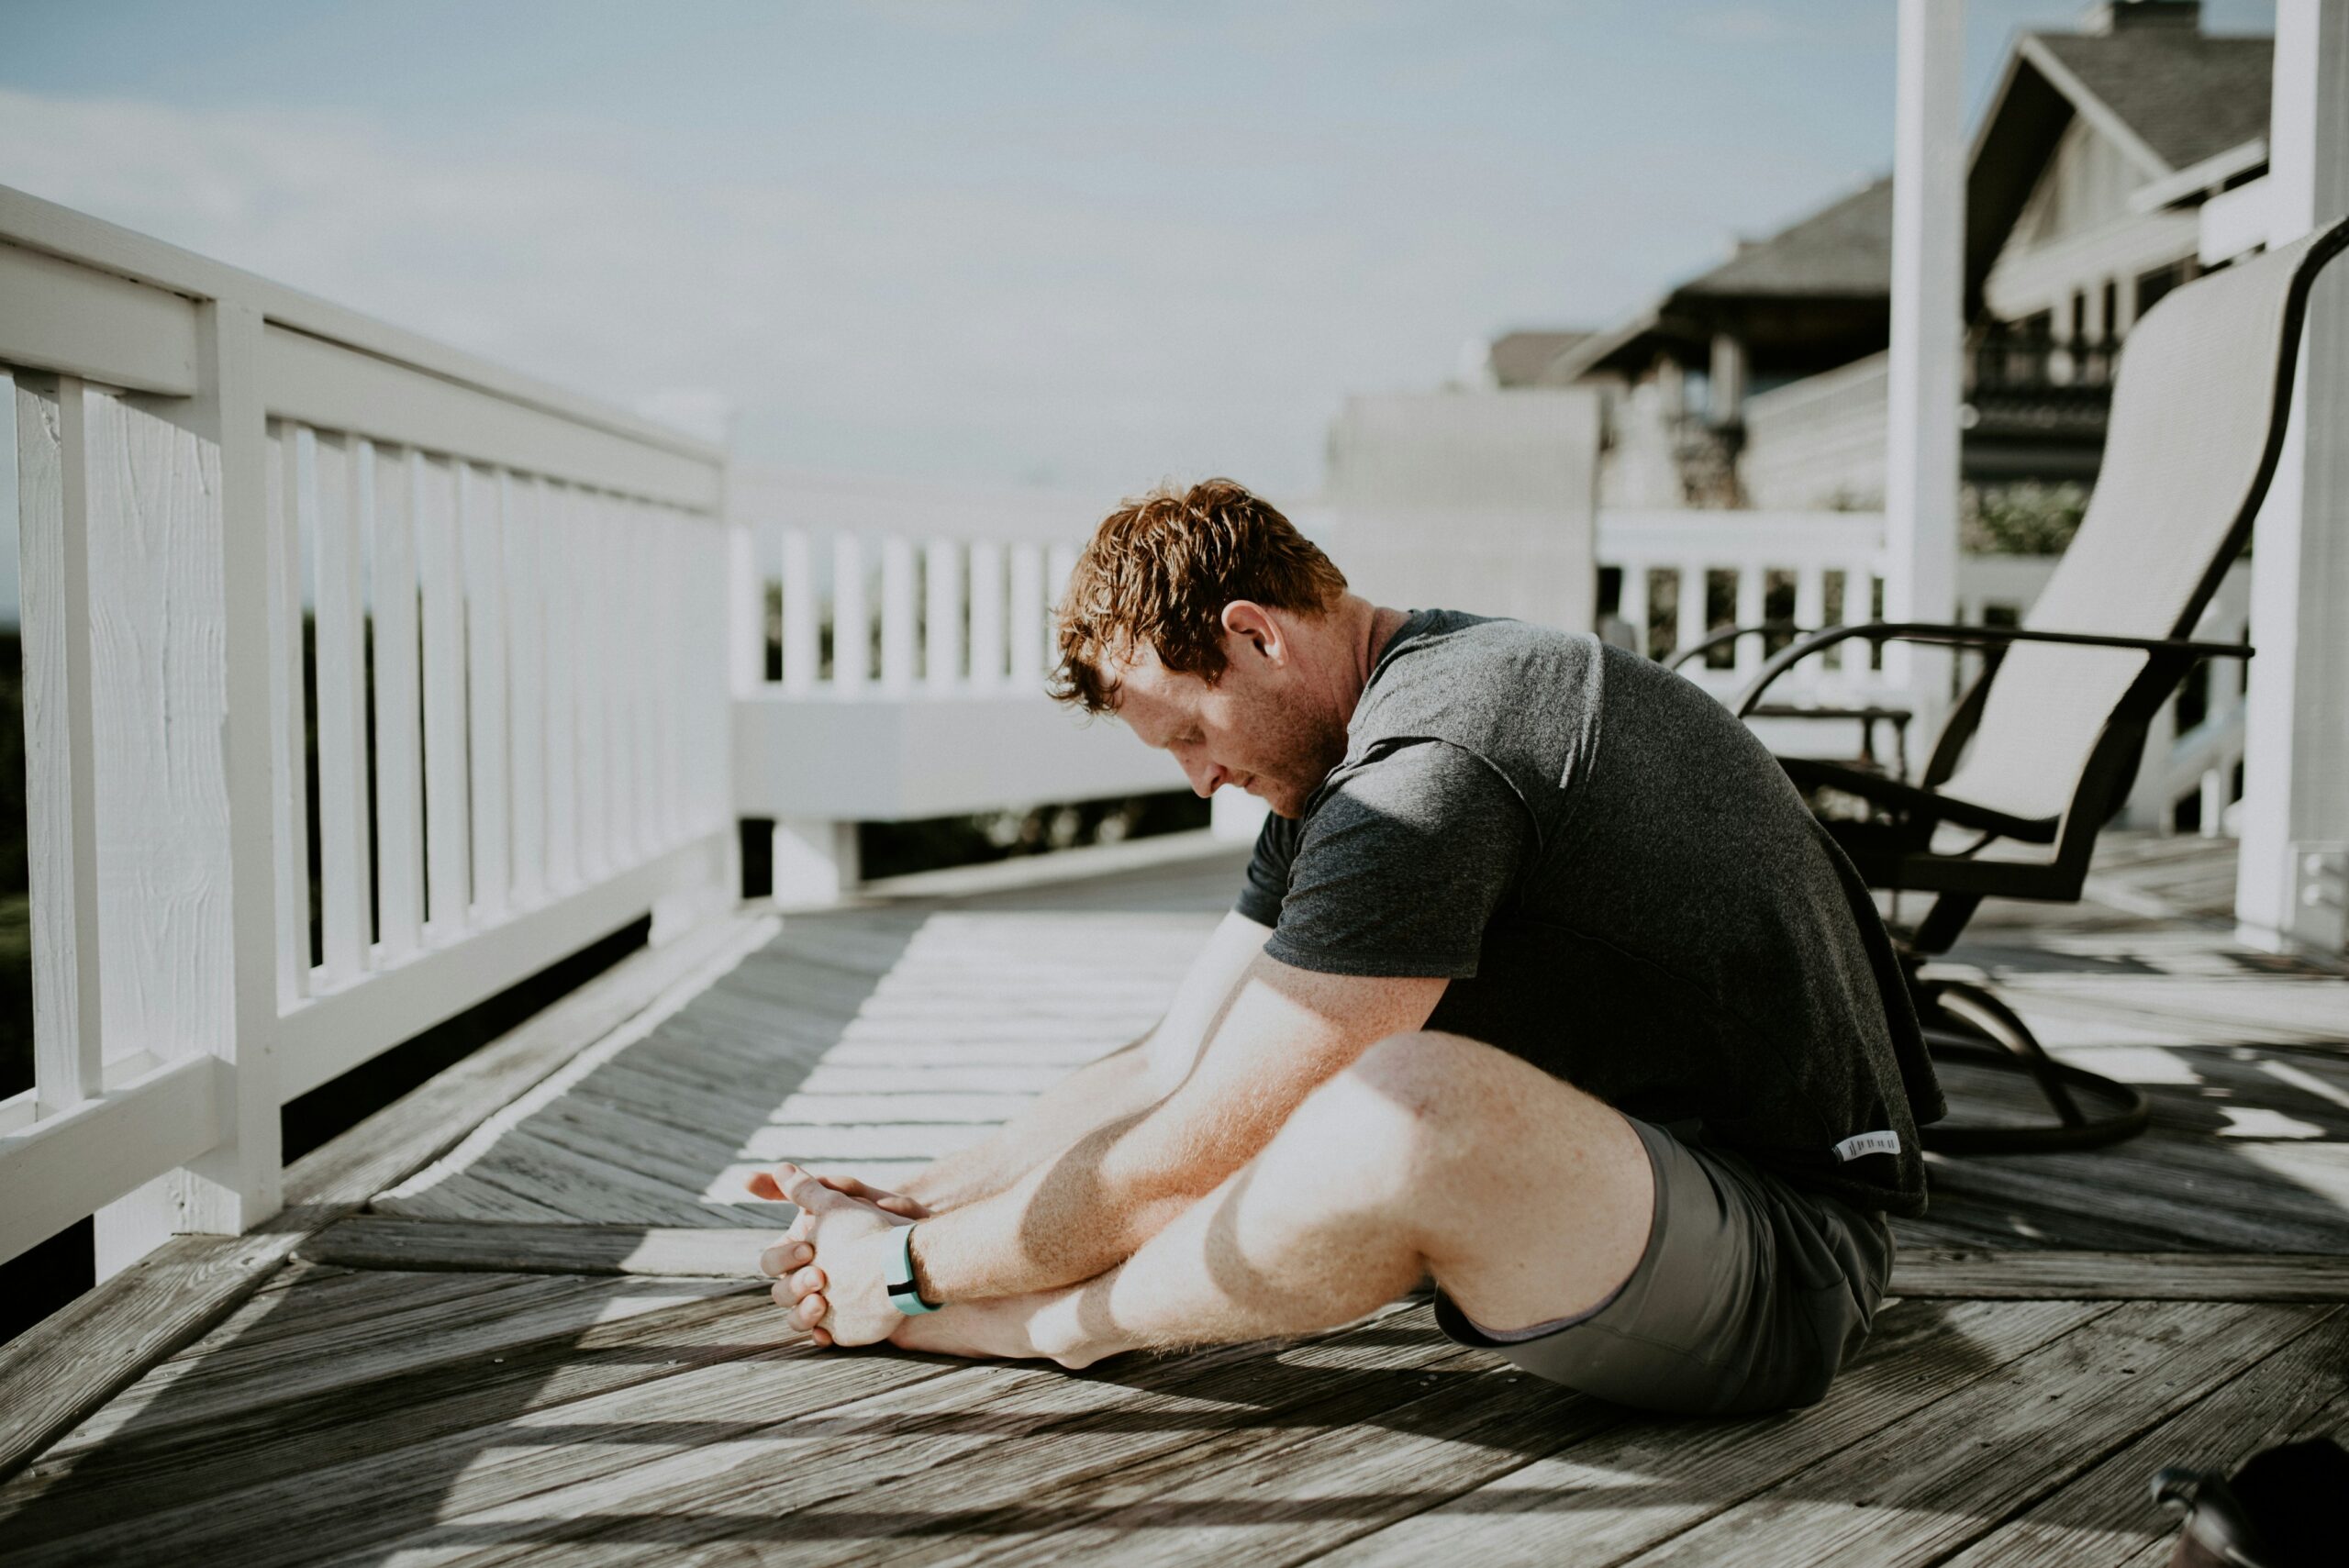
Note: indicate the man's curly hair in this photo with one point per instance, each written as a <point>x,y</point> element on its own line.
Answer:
<point>1160,570</point>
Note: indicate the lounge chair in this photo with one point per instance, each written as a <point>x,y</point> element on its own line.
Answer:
<point>2041,750</point>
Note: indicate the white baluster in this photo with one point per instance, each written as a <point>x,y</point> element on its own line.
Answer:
<point>802,651</point>
<point>400,761</point>
<point>941,627</point>
<point>524,580</point>
<point>1692,621</point>
<point>447,842</point>
<point>335,492</point>
<point>986,615</point>
<point>481,530</point>
<point>1752,579</point>
<point>852,620</point>
<point>558,515</point>
<point>1027,618</point>
<point>899,630</point>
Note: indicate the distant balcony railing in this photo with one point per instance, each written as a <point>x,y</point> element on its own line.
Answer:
<point>2029,383</point>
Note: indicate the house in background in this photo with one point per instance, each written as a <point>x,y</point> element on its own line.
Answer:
<point>2111,165</point>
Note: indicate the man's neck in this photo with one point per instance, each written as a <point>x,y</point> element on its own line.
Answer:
<point>1370,627</point>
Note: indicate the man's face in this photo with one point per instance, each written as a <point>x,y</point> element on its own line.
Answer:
<point>1258,727</point>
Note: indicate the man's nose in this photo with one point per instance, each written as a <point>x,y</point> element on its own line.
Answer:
<point>1206,777</point>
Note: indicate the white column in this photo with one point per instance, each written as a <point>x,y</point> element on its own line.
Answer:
<point>2289,888</point>
<point>1927,281</point>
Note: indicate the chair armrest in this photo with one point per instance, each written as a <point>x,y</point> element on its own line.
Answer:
<point>1729,634</point>
<point>2000,636</point>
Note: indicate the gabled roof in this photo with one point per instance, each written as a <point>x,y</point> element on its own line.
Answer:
<point>2186,97</point>
<point>1844,248</point>
<point>2168,97</point>
<point>1843,252</point>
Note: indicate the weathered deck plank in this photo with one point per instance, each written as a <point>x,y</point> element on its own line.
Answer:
<point>544,1348</point>
<point>2106,1516</point>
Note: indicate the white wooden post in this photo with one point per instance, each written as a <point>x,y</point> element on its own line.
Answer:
<point>1753,578</point>
<point>1689,627</point>
<point>851,622</point>
<point>1928,282</point>
<point>801,633</point>
<point>2295,861</point>
<point>941,625</point>
<point>1028,622</point>
<point>898,607</point>
<point>447,847</point>
<point>481,531</point>
<point>986,615</point>
<point>178,498</point>
<point>814,861</point>
<point>328,494</point>
<point>1632,603</point>
<point>399,758</point>
<point>526,665</point>
<point>60,799</point>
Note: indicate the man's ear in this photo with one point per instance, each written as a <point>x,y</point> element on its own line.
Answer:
<point>1253,623</point>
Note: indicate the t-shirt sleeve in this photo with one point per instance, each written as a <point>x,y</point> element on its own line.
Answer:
<point>1400,867</point>
<point>1267,881</point>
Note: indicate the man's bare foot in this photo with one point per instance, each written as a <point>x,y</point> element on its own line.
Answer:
<point>1015,1328</point>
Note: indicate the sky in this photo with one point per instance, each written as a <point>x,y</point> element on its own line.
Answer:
<point>1086,246</point>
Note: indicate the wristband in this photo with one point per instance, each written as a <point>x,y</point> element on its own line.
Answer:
<point>903,1293</point>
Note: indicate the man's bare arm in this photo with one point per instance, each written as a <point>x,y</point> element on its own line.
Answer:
<point>1286,1031</point>
<point>1112,1089</point>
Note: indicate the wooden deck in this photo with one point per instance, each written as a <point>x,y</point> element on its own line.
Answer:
<point>537,1344</point>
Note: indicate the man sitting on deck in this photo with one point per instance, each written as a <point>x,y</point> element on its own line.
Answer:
<point>1544,982</point>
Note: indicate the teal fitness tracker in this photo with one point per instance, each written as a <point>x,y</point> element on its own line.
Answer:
<point>903,1293</point>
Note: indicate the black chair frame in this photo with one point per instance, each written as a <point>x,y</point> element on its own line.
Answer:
<point>1963,1020</point>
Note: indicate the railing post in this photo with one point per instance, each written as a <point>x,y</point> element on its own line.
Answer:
<point>61,800</point>
<point>2292,879</point>
<point>179,508</point>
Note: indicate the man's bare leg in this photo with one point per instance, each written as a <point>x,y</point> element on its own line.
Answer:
<point>1527,1199</point>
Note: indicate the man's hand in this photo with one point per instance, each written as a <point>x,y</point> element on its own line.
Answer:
<point>843,1298</point>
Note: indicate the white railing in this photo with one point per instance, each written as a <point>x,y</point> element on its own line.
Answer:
<point>891,677</point>
<point>1823,568</point>
<point>1686,573</point>
<point>266,543</point>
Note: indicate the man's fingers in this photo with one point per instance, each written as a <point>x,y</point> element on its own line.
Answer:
<point>807,1313</point>
<point>783,1257</point>
<point>808,1281</point>
<point>766,1187</point>
<point>903,1208</point>
<point>802,1187</point>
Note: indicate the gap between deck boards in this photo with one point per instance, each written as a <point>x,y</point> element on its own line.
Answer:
<point>382,1242</point>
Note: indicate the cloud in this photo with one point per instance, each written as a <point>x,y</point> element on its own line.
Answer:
<point>1137,300</point>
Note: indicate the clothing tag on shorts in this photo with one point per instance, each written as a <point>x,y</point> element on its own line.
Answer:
<point>1868,1143</point>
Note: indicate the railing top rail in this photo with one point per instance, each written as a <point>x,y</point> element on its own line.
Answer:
<point>28,222</point>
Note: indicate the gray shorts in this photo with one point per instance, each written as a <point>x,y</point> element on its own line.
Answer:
<point>1749,1298</point>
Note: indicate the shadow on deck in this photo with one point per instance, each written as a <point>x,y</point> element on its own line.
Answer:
<point>541,1345</point>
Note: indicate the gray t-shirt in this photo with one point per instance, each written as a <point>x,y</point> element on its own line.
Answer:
<point>1624,888</point>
